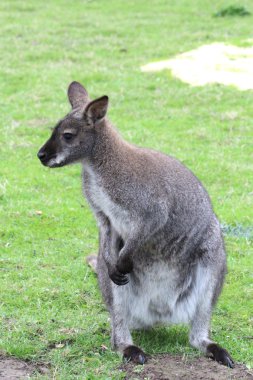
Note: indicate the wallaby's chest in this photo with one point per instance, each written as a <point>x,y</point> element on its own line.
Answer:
<point>100,200</point>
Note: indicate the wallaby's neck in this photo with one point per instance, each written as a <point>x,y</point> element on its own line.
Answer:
<point>108,147</point>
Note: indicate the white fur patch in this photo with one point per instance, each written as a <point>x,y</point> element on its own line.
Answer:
<point>214,63</point>
<point>60,158</point>
<point>57,160</point>
<point>157,300</point>
<point>118,216</point>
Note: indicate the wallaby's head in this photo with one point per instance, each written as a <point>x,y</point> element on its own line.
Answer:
<point>73,137</point>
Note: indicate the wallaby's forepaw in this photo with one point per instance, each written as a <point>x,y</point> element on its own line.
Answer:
<point>134,354</point>
<point>117,277</point>
<point>124,265</point>
<point>219,354</point>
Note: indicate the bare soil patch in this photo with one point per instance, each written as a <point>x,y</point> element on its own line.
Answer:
<point>14,369</point>
<point>172,367</point>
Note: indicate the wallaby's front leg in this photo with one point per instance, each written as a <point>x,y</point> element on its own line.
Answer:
<point>109,246</point>
<point>124,263</point>
<point>142,230</point>
<point>137,237</point>
<point>125,260</point>
<point>119,278</point>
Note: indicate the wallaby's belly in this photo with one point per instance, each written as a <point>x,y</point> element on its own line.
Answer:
<point>160,296</point>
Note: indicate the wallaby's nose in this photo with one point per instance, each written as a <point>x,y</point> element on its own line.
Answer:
<point>41,155</point>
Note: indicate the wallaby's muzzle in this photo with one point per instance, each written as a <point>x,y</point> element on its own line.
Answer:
<point>41,155</point>
<point>47,160</point>
<point>44,155</point>
<point>47,153</point>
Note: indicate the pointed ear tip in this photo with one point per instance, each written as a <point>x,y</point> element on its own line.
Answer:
<point>74,83</point>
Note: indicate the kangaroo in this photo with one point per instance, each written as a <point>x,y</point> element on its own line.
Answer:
<point>161,254</point>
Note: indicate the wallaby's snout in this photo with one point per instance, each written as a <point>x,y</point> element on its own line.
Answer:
<point>48,153</point>
<point>42,155</point>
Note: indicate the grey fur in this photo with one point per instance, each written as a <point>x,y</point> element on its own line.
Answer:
<point>159,237</point>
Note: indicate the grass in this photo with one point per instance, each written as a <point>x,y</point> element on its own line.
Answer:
<point>232,11</point>
<point>51,308</point>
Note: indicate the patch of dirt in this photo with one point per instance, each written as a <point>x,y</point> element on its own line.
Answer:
<point>16,369</point>
<point>172,367</point>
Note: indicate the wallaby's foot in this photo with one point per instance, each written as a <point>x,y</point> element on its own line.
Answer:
<point>117,277</point>
<point>134,354</point>
<point>219,354</point>
<point>92,262</point>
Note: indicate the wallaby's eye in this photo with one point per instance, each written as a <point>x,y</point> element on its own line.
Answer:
<point>67,136</point>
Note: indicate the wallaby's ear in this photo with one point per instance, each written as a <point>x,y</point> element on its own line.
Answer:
<point>77,95</point>
<point>96,110</point>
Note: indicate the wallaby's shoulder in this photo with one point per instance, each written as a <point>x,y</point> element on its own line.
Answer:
<point>147,167</point>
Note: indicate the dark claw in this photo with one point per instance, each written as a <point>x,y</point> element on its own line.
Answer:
<point>141,359</point>
<point>220,355</point>
<point>134,354</point>
<point>121,282</point>
<point>118,278</point>
<point>230,362</point>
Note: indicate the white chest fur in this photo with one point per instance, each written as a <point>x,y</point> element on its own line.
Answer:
<point>98,197</point>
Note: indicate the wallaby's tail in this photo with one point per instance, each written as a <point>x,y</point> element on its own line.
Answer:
<point>92,262</point>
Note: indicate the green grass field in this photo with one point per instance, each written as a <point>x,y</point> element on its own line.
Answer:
<point>50,306</point>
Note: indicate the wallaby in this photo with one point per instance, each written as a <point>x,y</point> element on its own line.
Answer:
<point>161,252</point>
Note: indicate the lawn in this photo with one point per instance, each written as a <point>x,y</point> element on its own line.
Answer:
<point>50,306</point>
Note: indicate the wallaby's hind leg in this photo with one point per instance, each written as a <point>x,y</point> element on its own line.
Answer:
<point>199,334</point>
<point>199,338</point>
<point>120,336</point>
